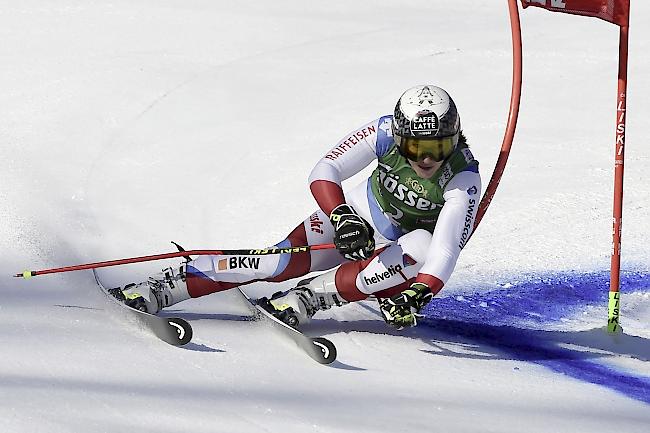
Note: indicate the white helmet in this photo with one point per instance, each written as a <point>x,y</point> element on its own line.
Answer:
<point>426,123</point>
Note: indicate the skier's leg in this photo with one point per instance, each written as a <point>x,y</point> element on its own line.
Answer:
<point>392,268</point>
<point>338,287</point>
<point>389,271</point>
<point>210,274</point>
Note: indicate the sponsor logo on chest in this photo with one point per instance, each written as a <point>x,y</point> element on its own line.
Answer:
<point>410,192</point>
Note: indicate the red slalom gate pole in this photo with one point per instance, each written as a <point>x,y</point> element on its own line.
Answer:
<point>615,271</point>
<point>240,252</point>
<point>513,113</point>
<point>616,12</point>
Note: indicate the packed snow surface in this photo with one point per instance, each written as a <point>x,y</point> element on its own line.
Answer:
<point>128,124</point>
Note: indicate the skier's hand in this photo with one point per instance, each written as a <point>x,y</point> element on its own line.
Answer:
<point>403,309</point>
<point>353,236</point>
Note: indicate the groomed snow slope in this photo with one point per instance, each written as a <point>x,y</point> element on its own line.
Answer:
<point>127,124</point>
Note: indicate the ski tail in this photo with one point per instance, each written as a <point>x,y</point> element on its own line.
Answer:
<point>171,330</point>
<point>319,349</point>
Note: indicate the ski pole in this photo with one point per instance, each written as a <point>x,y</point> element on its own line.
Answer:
<point>241,252</point>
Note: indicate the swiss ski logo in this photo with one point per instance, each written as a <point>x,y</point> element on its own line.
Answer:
<point>385,126</point>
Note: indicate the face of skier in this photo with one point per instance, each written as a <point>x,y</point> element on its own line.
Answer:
<point>426,167</point>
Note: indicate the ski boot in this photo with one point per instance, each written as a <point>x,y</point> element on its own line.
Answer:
<point>297,306</point>
<point>159,291</point>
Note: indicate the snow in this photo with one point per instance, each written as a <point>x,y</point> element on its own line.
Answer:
<point>127,124</point>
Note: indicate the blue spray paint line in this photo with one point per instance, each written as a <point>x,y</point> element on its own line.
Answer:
<point>537,300</point>
<point>541,347</point>
<point>512,319</point>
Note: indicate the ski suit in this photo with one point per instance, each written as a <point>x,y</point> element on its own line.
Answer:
<point>421,225</point>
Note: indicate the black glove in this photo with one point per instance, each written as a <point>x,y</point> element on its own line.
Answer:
<point>353,236</point>
<point>403,309</point>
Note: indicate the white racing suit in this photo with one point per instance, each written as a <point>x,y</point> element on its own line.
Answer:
<point>426,250</point>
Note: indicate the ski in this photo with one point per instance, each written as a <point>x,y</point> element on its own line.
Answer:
<point>172,330</point>
<point>319,349</point>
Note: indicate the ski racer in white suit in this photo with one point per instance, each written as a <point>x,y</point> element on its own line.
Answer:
<point>417,208</point>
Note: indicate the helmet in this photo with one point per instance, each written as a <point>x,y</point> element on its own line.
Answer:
<point>426,123</point>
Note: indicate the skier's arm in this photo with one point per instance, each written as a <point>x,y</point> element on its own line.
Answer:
<point>454,226</point>
<point>348,157</point>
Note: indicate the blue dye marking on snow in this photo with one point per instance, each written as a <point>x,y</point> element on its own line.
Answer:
<point>512,319</point>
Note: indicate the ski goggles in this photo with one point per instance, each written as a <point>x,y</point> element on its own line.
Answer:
<point>417,149</point>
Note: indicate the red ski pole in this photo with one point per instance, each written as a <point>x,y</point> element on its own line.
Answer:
<point>241,252</point>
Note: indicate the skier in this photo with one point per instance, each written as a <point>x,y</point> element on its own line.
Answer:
<point>418,207</point>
